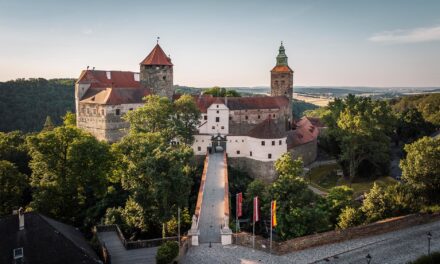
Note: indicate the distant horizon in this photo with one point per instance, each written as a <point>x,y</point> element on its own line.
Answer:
<point>228,43</point>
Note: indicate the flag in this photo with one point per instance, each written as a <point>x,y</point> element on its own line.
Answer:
<point>274,213</point>
<point>239,204</point>
<point>256,209</point>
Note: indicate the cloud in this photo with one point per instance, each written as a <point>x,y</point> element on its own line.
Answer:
<point>415,35</point>
<point>87,31</point>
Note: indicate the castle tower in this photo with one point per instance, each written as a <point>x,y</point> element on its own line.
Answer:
<point>156,73</point>
<point>281,76</point>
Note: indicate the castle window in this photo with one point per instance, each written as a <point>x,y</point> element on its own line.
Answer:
<point>230,118</point>
<point>131,109</point>
<point>263,143</point>
<point>217,119</point>
<point>242,140</point>
<point>217,106</point>
<point>223,127</point>
<point>118,111</point>
<point>280,142</point>
<point>273,115</point>
<point>258,116</point>
<point>218,111</point>
<point>164,78</point>
<point>250,153</point>
<point>213,127</point>
<point>199,148</point>
<point>203,140</point>
<point>273,142</point>
<point>238,152</point>
<point>246,117</point>
<point>205,117</point>
<point>269,156</point>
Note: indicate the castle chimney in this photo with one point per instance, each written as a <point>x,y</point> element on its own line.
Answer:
<point>20,218</point>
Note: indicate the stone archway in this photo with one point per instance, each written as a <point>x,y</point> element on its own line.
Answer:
<point>218,143</point>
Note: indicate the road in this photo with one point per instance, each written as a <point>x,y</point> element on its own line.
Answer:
<point>212,211</point>
<point>396,247</point>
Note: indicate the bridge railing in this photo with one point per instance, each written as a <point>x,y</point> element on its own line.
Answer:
<point>226,196</point>
<point>201,189</point>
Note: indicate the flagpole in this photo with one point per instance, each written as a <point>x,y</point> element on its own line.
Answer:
<point>253,226</point>
<point>271,223</point>
<point>178,225</point>
<point>237,228</point>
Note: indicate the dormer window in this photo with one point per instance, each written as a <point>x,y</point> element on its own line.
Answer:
<point>18,255</point>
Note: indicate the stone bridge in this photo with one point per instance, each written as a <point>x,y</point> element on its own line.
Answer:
<point>211,219</point>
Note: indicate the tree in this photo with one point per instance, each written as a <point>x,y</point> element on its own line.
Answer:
<point>12,185</point>
<point>359,131</point>
<point>376,205</point>
<point>153,116</point>
<point>186,118</point>
<point>69,119</point>
<point>69,172</point>
<point>300,211</point>
<point>221,92</point>
<point>13,148</point>
<point>337,199</point>
<point>349,217</point>
<point>261,189</point>
<point>421,167</point>
<point>48,124</point>
<point>412,125</point>
<point>286,166</point>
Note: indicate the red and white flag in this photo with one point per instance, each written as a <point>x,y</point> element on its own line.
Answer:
<point>239,204</point>
<point>256,209</point>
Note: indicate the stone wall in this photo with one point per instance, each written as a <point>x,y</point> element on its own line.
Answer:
<point>243,121</point>
<point>263,170</point>
<point>307,151</point>
<point>158,78</point>
<point>300,243</point>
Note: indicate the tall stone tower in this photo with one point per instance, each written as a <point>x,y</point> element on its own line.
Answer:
<point>156,73</point>
<point>281,76</point>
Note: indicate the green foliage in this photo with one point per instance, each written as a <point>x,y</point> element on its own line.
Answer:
<point>317,112</point>
<point>21,110</point>
<point>286,166</point>
<point>48,124</point>
<point>376,205</point>
<point>167,252</point>
<point>186,118</point>
<point>221,92</point>
<point>185,223</point>
<point>359,131</point>
<point>411,125</point>
<point>337,199</point>
<point>421,167</point>
<point>13,148</point>
<point>427,104</point>
<point>299,108</point>
<point>12,185</point>
<point>349,217</point>
<point>69,119</point>
<point>300,211</point>
<point>433,258</point>
<point>69,172</point>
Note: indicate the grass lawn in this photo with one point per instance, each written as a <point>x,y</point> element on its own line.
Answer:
<point>325,177</point>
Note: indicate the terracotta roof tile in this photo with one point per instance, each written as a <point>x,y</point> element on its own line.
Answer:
<point>305,132</point>
<point>104,79</point>
<point>115,96</point>
<point>281,68</point>
<point>266,130</point>
<point>157,57</point>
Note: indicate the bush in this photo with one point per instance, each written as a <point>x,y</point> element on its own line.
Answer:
<point>349,217</point>
<point>434,258</point>
<point>167,252</point>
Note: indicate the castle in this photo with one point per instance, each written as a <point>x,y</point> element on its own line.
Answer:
<point>254,131</point>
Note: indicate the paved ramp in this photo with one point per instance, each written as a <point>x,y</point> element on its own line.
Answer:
<point>120,255</point>
<point>212,209</point>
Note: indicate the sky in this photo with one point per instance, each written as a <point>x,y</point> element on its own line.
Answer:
<point>380,43</point>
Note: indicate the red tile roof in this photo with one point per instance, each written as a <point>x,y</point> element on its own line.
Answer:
<point>305,132</point>
<point>267,130</point>
<point>241,103</point>
<point>281,68</point>
<point>115,96</point>
<point>157,57</point>
<point>99,79</point>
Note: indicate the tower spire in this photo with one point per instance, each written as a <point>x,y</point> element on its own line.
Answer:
<point>282,57</point>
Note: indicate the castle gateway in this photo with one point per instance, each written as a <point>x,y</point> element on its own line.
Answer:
<point>254,131</point>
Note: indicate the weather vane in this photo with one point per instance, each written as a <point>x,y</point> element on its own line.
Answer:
<point>158,40</point>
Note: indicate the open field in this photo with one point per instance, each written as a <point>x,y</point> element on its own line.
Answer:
<point>319,101</point>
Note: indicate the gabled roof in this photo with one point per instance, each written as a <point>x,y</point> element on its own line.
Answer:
<point>267,130</point>
<point>282,68</point>
<point>242,103</point>
<point>305,132</point>
<point>100,79</point>
<point>157,57</point>
<point>115,96</point>
<point>44,240</point>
